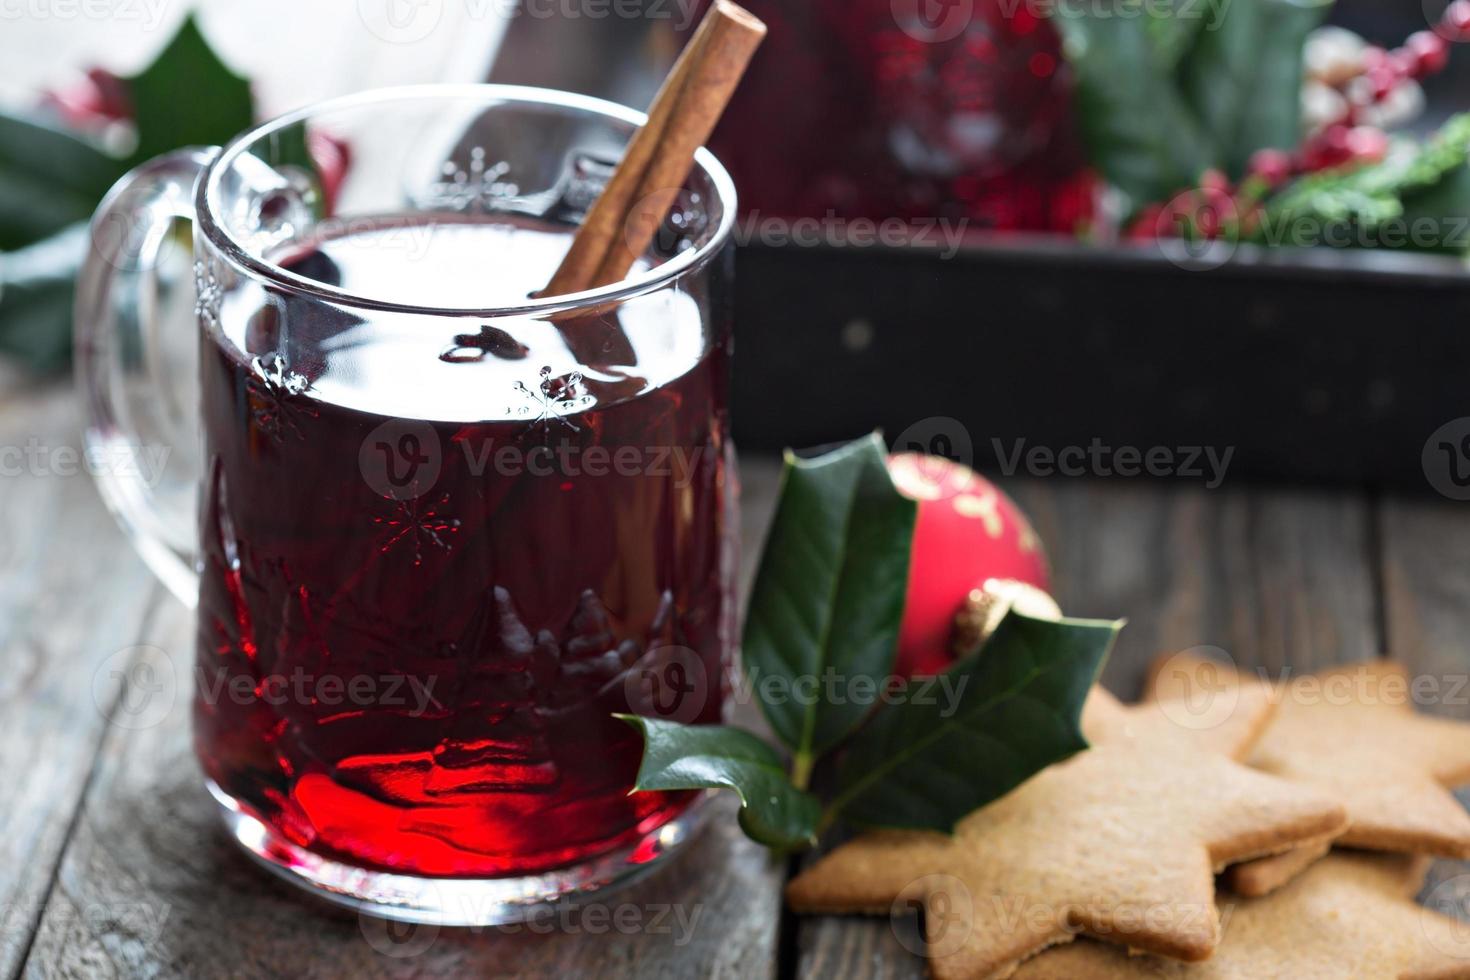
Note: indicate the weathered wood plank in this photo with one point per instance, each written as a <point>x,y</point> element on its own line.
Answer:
<point>1426,584</point>
<point>1426,612</point>
<point>1272,578</point>
<point>150,886</point>
<point>71,595</point>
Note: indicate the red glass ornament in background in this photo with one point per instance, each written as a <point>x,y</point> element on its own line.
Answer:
<point>969,536</point>
<point>956,109</point>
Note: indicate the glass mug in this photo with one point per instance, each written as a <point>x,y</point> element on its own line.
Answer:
<point>444,530</point>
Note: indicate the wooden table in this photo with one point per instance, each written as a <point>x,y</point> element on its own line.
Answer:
<point>112,862</point>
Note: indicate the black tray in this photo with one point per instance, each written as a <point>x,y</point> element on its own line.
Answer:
<point>1313,365</point>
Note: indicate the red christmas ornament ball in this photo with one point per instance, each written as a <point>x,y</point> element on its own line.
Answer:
<point>973,549</point>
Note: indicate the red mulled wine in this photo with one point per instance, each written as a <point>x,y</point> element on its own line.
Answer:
<point>435,562</point>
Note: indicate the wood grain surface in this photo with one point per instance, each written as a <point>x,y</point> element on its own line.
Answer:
<point>72,594</point>
<point>1426,615</point>
<point>113,863</point>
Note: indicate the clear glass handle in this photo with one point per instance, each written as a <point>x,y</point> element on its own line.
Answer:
<point>136,362</point>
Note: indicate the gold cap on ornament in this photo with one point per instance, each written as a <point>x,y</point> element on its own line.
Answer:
<point>987,605</point>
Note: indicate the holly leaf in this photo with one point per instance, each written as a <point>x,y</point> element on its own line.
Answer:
<point>828,597</point>
<point>772,811</point>
<point>36,287</point>
<point>949,745</point>
<point>1173,35</point>
<point>188,97</point>
<point>52,180</point>
<point>1137,127</point>
<point>1167,90</point>
<point>1241,78</point>
<point>49,179</point>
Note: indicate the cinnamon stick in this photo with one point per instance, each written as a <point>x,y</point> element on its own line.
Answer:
<point>625,216</point>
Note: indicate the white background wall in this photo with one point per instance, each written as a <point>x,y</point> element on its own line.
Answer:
<point>296,51</point>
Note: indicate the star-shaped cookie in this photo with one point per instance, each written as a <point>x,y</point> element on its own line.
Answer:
<point>1120,842</point>
<point>1229,726</point>
<point>1351,731</point>
<point>1350,917</point>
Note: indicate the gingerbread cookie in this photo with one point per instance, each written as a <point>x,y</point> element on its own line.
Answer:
<point>1352,732</point>
<point>1225,726</point>
<point>1261,876</point>
<point>1351,915</point>
<point>1120,842</point>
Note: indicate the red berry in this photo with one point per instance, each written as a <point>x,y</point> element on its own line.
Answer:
<point>1272,166</point>
<point>1367,144</point>
<point>1203,212</point>
<point>1214,180</point>
<point>1213,211</point>
<point>1023,22</point>
<point>1375,57</point>
<point>1042,64</point>
<point>1148,225</point>
<point>1383,80</point>
<point>1455,23</point>
<point>1328,148</point>
<point>1429,51</point>
<point>1403,61</point>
